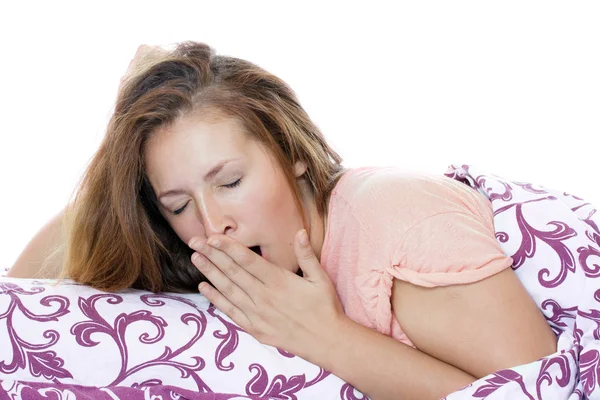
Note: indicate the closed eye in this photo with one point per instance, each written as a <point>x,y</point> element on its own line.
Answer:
<point>180,210</point>
<point>233,184</point>
<point>228,186</point>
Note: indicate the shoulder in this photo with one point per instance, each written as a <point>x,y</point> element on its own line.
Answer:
<point>393,190</point>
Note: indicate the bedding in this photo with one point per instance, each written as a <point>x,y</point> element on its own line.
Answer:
<point>554,240</point>
<point>68,341</point>
<point>68,338</point>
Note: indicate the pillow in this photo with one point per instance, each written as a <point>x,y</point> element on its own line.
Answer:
<point>71,334</point>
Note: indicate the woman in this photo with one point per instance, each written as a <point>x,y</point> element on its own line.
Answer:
<point>211,171</point>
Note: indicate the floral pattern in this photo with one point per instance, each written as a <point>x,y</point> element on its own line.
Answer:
<point>68,341</point>
<point>554,240</point>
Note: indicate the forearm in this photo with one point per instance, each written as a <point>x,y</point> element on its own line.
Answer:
<point>30,263</point>
<point>305,317</point>
<point>384,368</point>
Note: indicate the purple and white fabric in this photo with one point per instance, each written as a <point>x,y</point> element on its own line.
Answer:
<point>72,340</point>
<point>554,240</point>
<point>68,341</point>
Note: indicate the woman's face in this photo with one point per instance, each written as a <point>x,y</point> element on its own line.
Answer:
<point>209,177</point>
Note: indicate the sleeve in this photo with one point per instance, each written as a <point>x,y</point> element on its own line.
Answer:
<point>450,248</point>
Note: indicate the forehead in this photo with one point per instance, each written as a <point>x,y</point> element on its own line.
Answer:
<point>196,143</point>
<point>211,129</point>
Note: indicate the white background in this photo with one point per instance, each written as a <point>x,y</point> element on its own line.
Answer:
<point>512,86</point>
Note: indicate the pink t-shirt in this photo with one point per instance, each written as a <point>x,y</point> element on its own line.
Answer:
<point>386,223</point>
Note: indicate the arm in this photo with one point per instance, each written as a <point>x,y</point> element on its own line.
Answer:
<point>29,263</point>
<point>303,316</point>
<point>479,327</point>
<point>49,238</point>
<point>382,367</point>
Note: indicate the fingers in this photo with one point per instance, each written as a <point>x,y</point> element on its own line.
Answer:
<point>230,262</point>
<point>224,305</point>
<point>226,286</point>
<point>307,260</point>
<point>144,55</point>
<point>237,259</point>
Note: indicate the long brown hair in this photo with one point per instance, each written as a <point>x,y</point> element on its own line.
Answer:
<point>117,237</point>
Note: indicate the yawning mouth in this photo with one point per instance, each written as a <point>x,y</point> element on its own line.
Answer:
<point>256,249</point>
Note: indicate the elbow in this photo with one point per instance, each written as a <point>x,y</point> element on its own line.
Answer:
<point>515,354</point>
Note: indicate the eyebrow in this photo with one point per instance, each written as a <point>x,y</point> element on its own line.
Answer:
<point>209,175</point>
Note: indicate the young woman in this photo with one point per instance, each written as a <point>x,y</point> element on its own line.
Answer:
<point>211,171</point>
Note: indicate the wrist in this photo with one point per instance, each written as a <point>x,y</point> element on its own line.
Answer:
<point>326,349</point>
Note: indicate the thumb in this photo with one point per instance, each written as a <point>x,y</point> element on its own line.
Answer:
<point>307,260</point>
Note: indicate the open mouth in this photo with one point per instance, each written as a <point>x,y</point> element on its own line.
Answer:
<point>256,249</point>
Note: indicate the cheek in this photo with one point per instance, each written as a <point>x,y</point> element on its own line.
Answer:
<point>276,205</point>
<point>187,228</point>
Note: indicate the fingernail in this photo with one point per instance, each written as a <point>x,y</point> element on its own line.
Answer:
<point>303,238</point>
<point>192,242</point>
<point>197,259</point>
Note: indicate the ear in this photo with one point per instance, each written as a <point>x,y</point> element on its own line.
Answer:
<point>299,168</point>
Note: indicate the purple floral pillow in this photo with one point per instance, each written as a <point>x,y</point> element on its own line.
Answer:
<point>71,334</point>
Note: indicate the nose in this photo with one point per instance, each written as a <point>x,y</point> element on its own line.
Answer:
<point>214,219</point>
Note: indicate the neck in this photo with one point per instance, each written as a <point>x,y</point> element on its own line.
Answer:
<point>316,224</point>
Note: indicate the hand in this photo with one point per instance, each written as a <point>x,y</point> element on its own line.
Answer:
<point>144,54</point>
<point>274,305</point>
